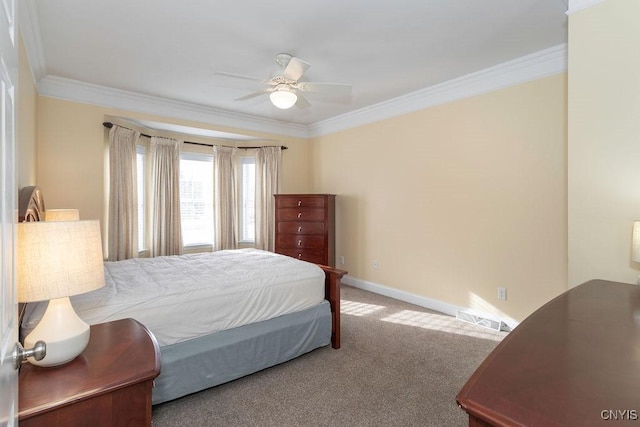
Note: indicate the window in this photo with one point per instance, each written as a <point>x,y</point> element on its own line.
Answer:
<point>140,165</point>
<point>196,199</point>
<point>247,199</point>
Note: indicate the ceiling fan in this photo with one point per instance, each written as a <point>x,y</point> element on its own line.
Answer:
<point>285,90</point>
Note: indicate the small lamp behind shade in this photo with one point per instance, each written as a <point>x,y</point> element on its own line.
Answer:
<point>61,215</point>
<point>635,242</point>
<point>56,260</point>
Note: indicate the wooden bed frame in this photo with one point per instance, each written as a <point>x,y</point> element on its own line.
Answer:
<point>333,276</point>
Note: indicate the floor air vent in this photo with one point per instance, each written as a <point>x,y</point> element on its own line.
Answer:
<point>496,325</point>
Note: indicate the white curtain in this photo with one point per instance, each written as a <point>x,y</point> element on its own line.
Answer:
<point>224,198</point>
<point>267,170</point>
<point>122,232</point>
<point>166,230</point>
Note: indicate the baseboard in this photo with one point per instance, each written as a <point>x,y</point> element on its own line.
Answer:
<point>430,303</point>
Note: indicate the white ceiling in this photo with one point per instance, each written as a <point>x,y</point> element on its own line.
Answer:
<point>385,49</point>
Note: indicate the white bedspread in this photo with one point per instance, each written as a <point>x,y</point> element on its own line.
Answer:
<point>183,297</point>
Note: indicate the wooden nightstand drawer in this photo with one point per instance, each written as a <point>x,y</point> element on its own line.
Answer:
<point>108,384</point>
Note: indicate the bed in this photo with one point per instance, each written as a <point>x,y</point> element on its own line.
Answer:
<point>264,309</point>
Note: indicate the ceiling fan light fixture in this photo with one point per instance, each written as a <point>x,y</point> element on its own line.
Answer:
<point>283,99</point>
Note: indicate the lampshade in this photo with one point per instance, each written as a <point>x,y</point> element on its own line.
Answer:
<point>61,215</point>
<point>635,242</point>
<point>58,259</point>
<point>283,98</point>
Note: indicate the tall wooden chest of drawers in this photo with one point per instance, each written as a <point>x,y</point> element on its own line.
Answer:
<point>305,227</point>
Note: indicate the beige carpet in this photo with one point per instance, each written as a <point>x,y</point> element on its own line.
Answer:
<point>399,365</point>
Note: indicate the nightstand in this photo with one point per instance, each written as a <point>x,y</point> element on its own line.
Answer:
<point>108,384</point>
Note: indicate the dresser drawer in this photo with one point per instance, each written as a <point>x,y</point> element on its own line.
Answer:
<point>300,202</point>
<point>294,214</point>
<point>300,241</point>
<point>295,227</point>
<point>309,255</point>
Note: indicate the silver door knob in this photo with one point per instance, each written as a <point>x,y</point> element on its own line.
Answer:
<point>38,352</point>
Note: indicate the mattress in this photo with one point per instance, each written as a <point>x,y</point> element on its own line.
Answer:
<point>182,297</point>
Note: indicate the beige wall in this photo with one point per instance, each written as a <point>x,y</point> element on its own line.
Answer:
<point>452,201</point>
<point>604,141</point>
<point>26,102</point>
<point>457,200</point>
<point>71,150</point>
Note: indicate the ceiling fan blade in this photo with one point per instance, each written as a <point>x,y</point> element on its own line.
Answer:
<point>302,102</point>
<point>295,68</point>
<point>240,76</point>
<point>328,88</point>
<point>254,94</point>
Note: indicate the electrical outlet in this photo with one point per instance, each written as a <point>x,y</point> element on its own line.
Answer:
<point>502,294</point>
<point>376,265</point>
<point>341,260</point>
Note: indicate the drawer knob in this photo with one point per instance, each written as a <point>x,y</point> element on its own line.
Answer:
<point>299,229</point>
<point>299,214</point>
<point>299,202</point>
<point>299,242</point>
<point>299,255</point>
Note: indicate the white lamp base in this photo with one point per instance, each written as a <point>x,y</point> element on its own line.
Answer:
<point>64,333</point>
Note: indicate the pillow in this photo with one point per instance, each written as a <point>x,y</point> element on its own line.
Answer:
<point>33,312</point>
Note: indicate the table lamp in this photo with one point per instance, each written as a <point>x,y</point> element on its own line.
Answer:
<point>55,260</point>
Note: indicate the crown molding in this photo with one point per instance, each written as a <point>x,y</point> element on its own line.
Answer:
<point>531,67</point>
<point>578,5</point>
<point>30,31</point>
<point>88,93</point>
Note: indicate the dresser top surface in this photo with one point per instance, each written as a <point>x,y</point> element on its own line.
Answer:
<point>566,364</point>
<point>305,195</point>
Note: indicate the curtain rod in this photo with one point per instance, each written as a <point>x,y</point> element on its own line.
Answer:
<point>109,125</point>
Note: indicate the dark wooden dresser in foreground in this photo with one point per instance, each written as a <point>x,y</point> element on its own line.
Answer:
<point>108,384</point>
<point>574,362</point>
<point>305,227</point>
